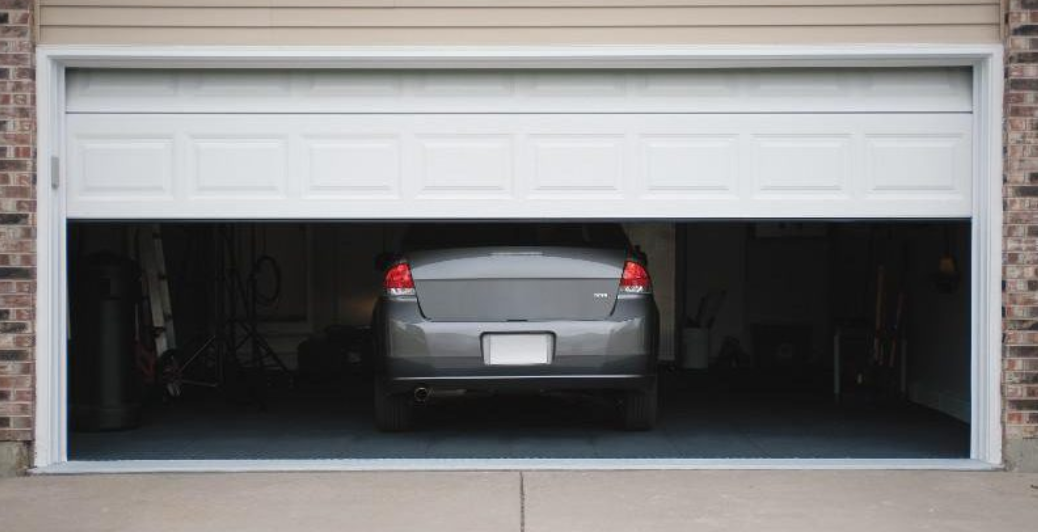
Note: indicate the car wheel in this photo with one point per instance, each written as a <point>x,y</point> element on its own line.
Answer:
<point>393,411</point>
<point>638,410</point>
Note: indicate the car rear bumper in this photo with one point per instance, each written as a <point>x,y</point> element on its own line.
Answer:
<point>615,353</point>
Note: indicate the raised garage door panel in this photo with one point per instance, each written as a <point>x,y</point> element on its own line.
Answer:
<point>175,158</point>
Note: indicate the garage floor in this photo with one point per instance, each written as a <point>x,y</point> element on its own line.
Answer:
<point>693,424</point>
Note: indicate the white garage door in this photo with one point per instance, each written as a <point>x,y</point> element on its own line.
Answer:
<point>827,143</point>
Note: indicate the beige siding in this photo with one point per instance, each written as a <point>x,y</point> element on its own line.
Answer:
<point>532,22</point>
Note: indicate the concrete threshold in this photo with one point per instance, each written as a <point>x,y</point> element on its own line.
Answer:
<point>528,501</point>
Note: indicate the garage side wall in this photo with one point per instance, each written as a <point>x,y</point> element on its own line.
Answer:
<point>17,232</point>
<point>1020,326</point>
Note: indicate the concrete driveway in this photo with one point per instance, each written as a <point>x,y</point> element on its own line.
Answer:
<point>533,501</point>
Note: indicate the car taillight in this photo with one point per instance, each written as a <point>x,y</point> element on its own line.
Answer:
<point>398,281</point>
<point>635,279</point>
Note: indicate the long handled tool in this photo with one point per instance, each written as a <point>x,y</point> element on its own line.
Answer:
<point>877,337</point>
<point>895,333</point>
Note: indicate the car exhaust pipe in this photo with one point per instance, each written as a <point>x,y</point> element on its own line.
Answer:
<point>421,394</point>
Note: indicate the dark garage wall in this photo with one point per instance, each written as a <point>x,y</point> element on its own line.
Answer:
<point>824,279</point>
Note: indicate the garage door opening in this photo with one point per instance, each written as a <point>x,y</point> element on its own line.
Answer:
<point>775,340</point>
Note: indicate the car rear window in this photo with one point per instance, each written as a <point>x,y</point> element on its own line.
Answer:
<point>464,235</point>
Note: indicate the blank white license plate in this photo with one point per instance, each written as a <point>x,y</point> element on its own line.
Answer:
<point>517,349</point>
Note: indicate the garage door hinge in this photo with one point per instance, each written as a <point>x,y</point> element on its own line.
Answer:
<point>55,172</point>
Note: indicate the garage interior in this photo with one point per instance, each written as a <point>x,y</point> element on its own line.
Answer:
<point>779,339</point>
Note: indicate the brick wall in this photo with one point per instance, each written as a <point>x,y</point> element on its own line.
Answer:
<point>17,225</point>
<point>1020,259</point>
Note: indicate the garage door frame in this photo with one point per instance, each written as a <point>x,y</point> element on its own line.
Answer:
<point>51,298</point>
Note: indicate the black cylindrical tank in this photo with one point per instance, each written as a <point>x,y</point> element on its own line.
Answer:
<point>104,389</point>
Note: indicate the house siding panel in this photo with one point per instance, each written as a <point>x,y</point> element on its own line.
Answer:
<point>518,22</point>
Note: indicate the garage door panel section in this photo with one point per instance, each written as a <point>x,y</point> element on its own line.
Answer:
<point>522,91</point>
<point>464,166</point>
<point>578,165</point>
<point>666,160</point>
<point>926,164</point>
<point>374,166</point>
<point>792,165</point>
<point>235,166</point>
<point>405,166</point>
<point>107,167</point>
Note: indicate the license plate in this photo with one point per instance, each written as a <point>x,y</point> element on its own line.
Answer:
<point>517,349</point>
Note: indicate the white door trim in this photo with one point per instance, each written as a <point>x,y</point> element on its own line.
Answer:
<point>52,62</point>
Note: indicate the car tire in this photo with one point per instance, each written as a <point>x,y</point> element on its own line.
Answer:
<point>393,411</point>
<point>639,407</point>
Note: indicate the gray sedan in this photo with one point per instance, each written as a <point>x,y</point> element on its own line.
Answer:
<point>501,307</point>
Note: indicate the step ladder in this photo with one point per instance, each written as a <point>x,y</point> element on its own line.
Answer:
<point>157,285</point>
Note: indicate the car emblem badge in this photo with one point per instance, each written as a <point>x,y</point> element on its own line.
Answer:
<point>601,295</point>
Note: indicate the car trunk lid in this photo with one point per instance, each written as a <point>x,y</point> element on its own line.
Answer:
<point>517,283</point>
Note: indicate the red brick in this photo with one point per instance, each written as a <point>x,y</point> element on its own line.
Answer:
<point>16,382</point>
<point>22,422</point>
<point>15,409</point>
<point>24,434</point>
<point>1020,234</point>
<point>15,368</point>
